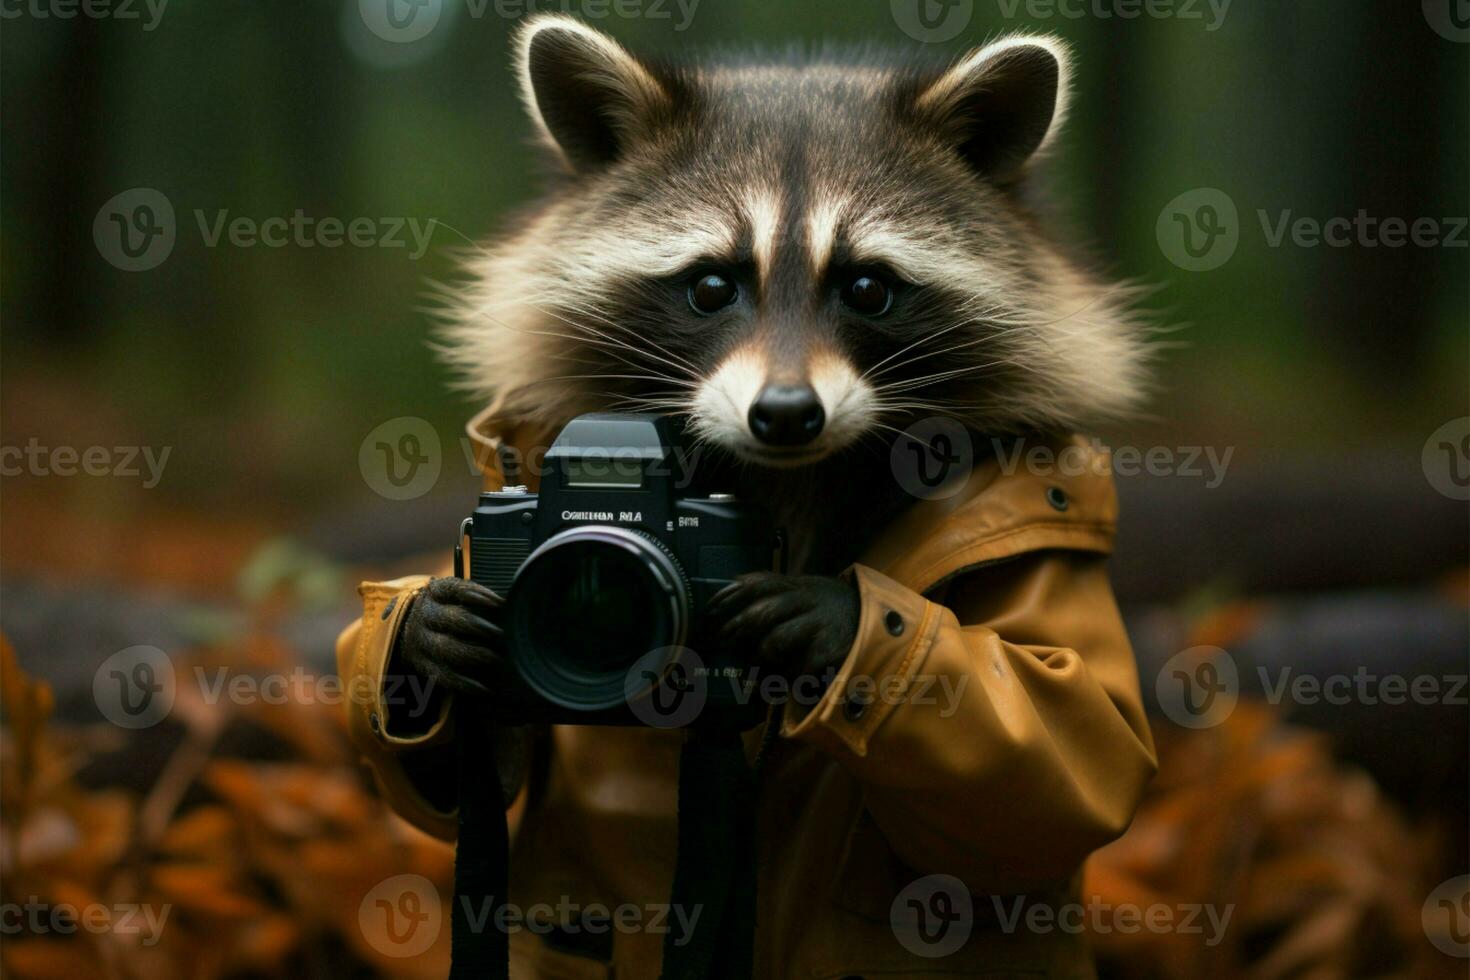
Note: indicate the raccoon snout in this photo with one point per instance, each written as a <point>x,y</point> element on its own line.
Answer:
<point>786,415</point>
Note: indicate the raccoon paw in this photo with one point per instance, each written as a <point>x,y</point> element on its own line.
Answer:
<point>452,636</point>
<point>792,624</point>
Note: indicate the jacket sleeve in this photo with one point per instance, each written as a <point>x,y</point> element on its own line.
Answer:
<point>401,724</point>
<point>999,737</point>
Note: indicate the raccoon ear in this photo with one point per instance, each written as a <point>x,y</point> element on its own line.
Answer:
<point>585,92</point>
<point>1001,104</point>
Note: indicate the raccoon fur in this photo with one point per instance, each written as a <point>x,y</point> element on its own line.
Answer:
<point>799,255</point>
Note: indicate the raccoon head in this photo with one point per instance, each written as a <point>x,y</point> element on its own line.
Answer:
<point>793,253</point>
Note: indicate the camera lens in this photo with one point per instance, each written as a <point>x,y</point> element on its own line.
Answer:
<point>586,606</point>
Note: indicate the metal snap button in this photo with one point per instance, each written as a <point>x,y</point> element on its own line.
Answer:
<point>1057,497</point>
<point>893,622</point>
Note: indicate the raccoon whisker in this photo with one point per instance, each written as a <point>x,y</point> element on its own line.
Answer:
<point>669,360</point>
<point>657,395</point>
<point>677,401</point>
<point>1043,337</point>
<point>662,399</point>
<point>617,377</point>
<point>587,330</point>
<point>1011,327</point>
<point>588,311</point>
<point>886,403</point>
<point>586,362</point>
<point>1101,297</point>
<point>668,401</point>
<point>681,366</point>
<point>474,245</point>
<point>888,428</point>
<point>612,349</point>
<point>672,362</point>
<point>611,343</point>
<point>966,420</point>
<point>987,339</point>
<point>880,443</point>
<point>1014,325</point>
<point>933,379</point>
<point>958,413</point>
<point>933,407</point>
<point>676,382</point>
<point>896,431</point>
<point>489,254</point>
<point>658,407</point>
<point>922,340</point>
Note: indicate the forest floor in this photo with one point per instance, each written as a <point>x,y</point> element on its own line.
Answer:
<point>248,831</point>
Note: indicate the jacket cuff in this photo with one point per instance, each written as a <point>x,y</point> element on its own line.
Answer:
<point>363,650</point>
<point>395,702</point>
<point>896,628</point>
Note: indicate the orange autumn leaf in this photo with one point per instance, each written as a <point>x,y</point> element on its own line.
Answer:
<point>25,705</point>
<point>265,942</point>
<point>208,831</point>
<point>205,889</point>
<point>49,959</point>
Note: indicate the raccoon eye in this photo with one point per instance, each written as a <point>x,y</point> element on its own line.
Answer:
<point>867,295</point>
<point>711,294</point>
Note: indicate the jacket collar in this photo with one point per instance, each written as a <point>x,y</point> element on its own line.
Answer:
<point>1040,493</point>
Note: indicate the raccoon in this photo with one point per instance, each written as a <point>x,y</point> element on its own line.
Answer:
<point>798,255</point>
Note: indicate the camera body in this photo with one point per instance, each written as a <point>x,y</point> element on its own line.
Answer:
<point>606,573</point>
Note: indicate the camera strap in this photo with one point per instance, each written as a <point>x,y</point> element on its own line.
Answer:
<point>480,947</point>
<point>714,876</point>
<point>715,873</point>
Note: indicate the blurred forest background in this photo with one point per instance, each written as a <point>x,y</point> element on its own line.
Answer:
<point>1323,371</point>
<point>265,367</point>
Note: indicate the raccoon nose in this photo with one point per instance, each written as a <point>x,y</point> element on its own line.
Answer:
<point>787,415</point>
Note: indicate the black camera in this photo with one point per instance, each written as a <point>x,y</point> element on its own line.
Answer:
<point>606,572</point>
